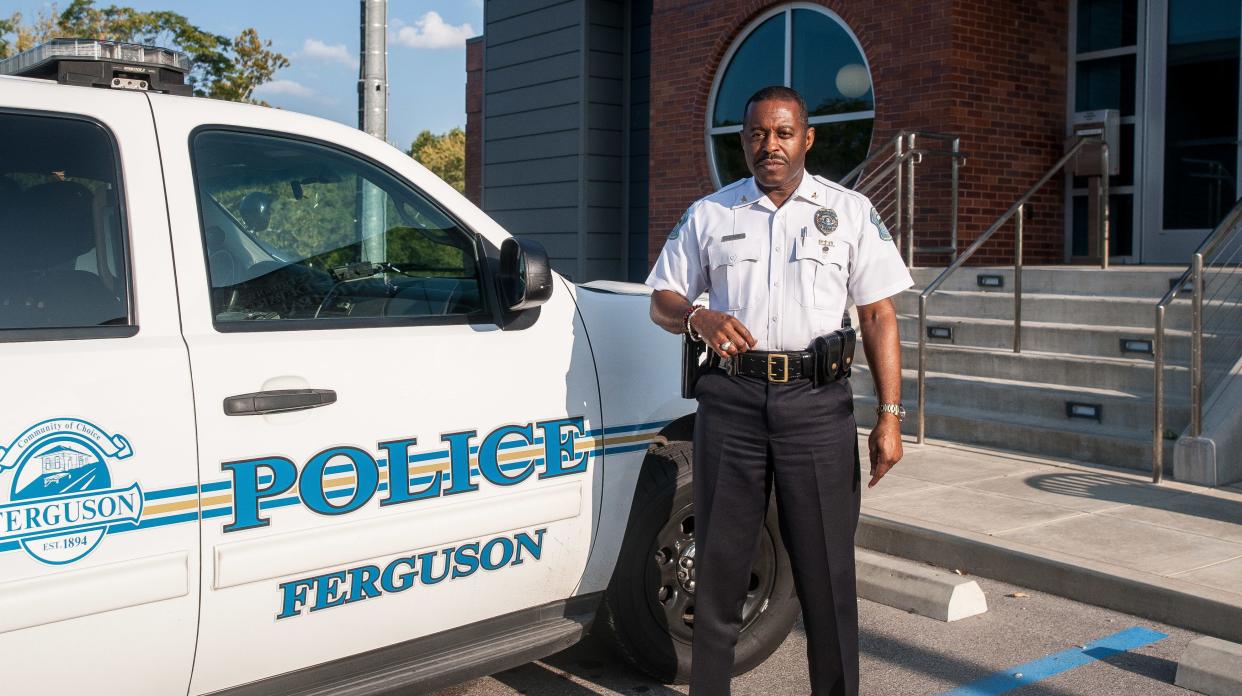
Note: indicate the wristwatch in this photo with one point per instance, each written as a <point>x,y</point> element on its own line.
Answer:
<point>895,409</point>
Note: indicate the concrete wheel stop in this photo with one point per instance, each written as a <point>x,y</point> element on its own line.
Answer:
<point>1211,666</point>
<point>922,589</point>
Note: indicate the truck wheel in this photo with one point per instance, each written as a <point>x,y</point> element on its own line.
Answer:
<point>648,610</point>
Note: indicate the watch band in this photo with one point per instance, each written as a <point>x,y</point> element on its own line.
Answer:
<point>895,409</point>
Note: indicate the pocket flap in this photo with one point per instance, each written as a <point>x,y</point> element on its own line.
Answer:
<point>730,255</point>
<point>809,250</point>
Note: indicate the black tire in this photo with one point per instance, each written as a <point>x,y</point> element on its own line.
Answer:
<point>647,612</point>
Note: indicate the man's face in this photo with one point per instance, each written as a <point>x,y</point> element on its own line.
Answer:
<point>775,142</point>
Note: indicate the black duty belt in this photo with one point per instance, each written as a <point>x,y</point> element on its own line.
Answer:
<point>830,359</point>
<point>777,368</point>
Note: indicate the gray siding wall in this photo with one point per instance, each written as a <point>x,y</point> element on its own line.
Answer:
<point>559,118</point>
<point>532,114</point>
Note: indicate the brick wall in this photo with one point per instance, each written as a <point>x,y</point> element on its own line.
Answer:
<point>474,120</point>
<point>991,72</point>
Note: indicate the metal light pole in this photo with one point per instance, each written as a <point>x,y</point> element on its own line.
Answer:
<point>373,69</point>
<point>373,119</point>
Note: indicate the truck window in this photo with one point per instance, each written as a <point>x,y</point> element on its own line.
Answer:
<point>63,263</point>
<point>298,231</point>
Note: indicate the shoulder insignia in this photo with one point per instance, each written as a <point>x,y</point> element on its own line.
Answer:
<point>672,236</point>
<point>879,226</point>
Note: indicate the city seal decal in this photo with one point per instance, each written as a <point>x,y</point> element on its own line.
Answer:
<point>826,220</point>
<point>60,500</point>
<point>879,226</point>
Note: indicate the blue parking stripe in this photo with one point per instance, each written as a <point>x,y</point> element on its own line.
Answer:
<point>1031,672</point>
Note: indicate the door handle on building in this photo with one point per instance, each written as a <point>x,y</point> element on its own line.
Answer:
<point>277,401</point>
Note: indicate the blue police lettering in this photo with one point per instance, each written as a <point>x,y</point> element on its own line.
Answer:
<point>356,584</point>
<point>489,455</point>
<point>398,455</point>
<point>559,447</point>
<point>247,492</point>
<point>266,479</point>
<point>366,472</point>
<point>459,462</point>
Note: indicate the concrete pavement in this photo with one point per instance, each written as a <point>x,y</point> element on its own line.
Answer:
<point>902,654</point>
<point>1171,552</point>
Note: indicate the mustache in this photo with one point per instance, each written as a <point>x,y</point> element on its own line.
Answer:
<point>774,157</point>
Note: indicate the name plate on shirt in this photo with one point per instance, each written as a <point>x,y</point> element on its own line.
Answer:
<point>733,237</point>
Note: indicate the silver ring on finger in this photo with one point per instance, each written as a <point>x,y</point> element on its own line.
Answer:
<point>726,345</point>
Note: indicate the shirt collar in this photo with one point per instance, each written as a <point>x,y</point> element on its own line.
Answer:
<point>748,193</point>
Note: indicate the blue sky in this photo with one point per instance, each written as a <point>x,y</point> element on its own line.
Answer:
<point>426,53</point>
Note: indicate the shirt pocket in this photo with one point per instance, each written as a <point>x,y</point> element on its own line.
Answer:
<point>735,275</point>
<point>819,275</point>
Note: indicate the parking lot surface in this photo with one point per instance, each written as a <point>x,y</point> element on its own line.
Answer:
<point>1032,634</point>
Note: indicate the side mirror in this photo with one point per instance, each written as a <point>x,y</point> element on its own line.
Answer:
<point>525,274</point>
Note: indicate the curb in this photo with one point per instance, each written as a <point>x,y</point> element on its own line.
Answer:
<point>918,588</point>
<point>1211,666</point>
<point>1167,600</point>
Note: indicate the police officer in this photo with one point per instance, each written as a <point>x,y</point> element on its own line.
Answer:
<point>780,255</point>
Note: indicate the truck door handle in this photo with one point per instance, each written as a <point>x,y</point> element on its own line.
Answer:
<point>277,401</point>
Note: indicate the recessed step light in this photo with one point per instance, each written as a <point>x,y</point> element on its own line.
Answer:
<point>1136,345</point>
<point>1076,409</point>
<point>1188,286</point>
<point>990,281</point>
<point>945,332</point>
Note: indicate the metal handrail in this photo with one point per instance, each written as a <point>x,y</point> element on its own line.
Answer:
<point>903,154</point>
<point>1194,274</point>
<point>1018,209</point>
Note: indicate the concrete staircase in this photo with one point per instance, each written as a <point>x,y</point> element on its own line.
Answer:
<point>1075,320</point>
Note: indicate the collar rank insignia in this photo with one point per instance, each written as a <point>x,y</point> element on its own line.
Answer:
<point>826,220</point>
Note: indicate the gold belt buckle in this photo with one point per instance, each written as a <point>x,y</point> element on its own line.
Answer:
<point>784,378</point>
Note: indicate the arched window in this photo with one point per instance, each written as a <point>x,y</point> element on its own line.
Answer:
<point>809,48</point>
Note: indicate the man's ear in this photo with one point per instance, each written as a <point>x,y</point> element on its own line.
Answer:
<point>810,136</point>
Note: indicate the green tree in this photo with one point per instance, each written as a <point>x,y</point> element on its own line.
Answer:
<point>444,155</point>
<point>224,68</point>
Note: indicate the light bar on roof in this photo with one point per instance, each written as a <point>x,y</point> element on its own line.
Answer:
<point>97,63</point>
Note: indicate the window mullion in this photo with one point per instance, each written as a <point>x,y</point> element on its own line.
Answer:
<point>789,47</point>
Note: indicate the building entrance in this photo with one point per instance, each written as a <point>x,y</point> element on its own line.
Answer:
<point>1171,67</point>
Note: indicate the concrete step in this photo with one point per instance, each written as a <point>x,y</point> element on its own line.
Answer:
<point>985,427</point>
<point>1130,375</point>
<point>1146,282</point>
<point>1053,337</point>
<point>1121,414</point>
<point>1066,309</point>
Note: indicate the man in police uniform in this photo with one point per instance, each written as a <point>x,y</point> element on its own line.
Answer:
<point>780,255</point>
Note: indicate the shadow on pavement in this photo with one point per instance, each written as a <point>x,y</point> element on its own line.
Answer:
<point>1126,492</point>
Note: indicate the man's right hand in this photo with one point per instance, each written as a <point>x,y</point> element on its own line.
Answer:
<point>721,329</point>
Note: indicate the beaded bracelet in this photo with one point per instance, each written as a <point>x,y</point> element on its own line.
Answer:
<point>690,332</point>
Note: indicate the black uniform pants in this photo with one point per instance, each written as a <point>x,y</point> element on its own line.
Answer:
<point>750,437</point>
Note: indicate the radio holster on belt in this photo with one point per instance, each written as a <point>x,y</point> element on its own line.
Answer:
<point>834,355</point>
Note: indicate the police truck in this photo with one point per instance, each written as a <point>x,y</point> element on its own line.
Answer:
<point>286,414</point>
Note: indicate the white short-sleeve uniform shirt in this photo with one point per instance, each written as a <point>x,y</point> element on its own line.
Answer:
<point>786,273</point>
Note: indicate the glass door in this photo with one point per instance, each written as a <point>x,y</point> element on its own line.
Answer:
<point>1106,69</point>
<point>1193,144</point>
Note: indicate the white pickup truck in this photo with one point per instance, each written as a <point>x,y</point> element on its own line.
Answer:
<point>285,413</point>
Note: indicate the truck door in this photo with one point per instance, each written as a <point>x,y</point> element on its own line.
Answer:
<point>98,479</point>
<point>386,462</point>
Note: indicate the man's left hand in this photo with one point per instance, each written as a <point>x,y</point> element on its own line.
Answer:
<point>884,446</point>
